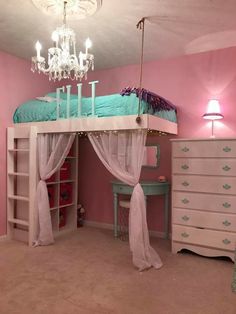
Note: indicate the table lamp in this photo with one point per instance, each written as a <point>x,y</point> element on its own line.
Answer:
<point>213,113</point>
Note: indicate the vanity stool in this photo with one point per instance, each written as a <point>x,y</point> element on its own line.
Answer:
<point>149,188</point>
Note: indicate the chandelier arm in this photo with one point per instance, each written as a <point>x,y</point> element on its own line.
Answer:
<point>64,13</point>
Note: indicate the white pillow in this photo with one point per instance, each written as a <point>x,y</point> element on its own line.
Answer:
<point>47,99</point>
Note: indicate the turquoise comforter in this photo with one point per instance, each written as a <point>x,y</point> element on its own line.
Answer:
<point>105,106</point>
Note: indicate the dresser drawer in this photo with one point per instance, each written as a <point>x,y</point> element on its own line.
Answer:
<point>195,218</point>
<point>207,184</point>
<point>207,148</point>
<point>221,166</point>
<point>221,203</point>
<point>209,238</point>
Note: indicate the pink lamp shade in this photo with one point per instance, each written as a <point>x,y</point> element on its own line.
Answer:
<point>213,110</point>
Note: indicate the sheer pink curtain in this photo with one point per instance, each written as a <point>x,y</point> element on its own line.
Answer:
<point>122,154</point>
<point>52,150</point>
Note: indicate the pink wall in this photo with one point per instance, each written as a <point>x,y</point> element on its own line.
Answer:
<point>188,82</point>
<point>17,84</point>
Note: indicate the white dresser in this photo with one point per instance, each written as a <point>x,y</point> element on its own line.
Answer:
<point>204,196</point>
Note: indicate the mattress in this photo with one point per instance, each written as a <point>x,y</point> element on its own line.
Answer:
<point>105,106</point>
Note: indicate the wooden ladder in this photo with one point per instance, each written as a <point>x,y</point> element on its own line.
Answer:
<point>21,183</point>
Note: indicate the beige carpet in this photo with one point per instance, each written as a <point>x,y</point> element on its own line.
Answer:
<point>91,272</point>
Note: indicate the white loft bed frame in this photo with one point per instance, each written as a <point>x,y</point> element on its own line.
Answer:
<point>25,134</point>
<point>90,124</point>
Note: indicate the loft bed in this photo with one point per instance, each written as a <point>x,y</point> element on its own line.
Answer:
<point>117,123</point>
<point>111,112</point>
<point>39,118</point>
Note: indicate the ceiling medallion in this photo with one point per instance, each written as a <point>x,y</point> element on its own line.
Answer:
<point>75,9</point>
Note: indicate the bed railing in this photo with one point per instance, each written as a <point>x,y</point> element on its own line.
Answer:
<point>79,91</point>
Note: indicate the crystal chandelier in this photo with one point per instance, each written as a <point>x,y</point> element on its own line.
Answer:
<point>63,62</point>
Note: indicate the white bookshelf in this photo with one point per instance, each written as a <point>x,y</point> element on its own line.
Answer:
<point>63,188</point>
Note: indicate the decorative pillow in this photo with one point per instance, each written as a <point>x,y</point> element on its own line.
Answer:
<point>156,102</point>
<point>47,99</point>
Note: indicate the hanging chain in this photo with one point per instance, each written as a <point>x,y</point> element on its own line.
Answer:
<point>64,13</point>
<point>140,26</point>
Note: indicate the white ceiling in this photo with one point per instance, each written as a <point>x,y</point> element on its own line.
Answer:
<point>179,27</point>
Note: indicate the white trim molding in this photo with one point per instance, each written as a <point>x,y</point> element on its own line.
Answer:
<point>3,237</point>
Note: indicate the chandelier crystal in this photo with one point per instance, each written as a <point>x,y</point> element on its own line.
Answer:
<point>63,62</point>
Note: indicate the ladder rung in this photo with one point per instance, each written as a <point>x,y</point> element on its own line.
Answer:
<point>18,221</point>
<point>21,174</point>
<point>18,197</point>
<point>19,150</point>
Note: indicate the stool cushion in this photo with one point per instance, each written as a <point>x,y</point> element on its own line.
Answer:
<point>125,204</point>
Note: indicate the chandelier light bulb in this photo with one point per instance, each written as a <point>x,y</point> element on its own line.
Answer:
<point>55,36</point>
<point>38,47</point>
<point>88,43</point>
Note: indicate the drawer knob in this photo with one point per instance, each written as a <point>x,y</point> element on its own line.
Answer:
<point>226,168</point>
<point>227,149</point>
<point>226,241</point>
<point>227,186</point>
<point>185,149</point>
<point>226,223</point>
<point>185,218</point>
<point>185,183</point>
<point>185,235</point>
<point>184,167</point>
<point>226,205</point>
<point>185,201</point>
